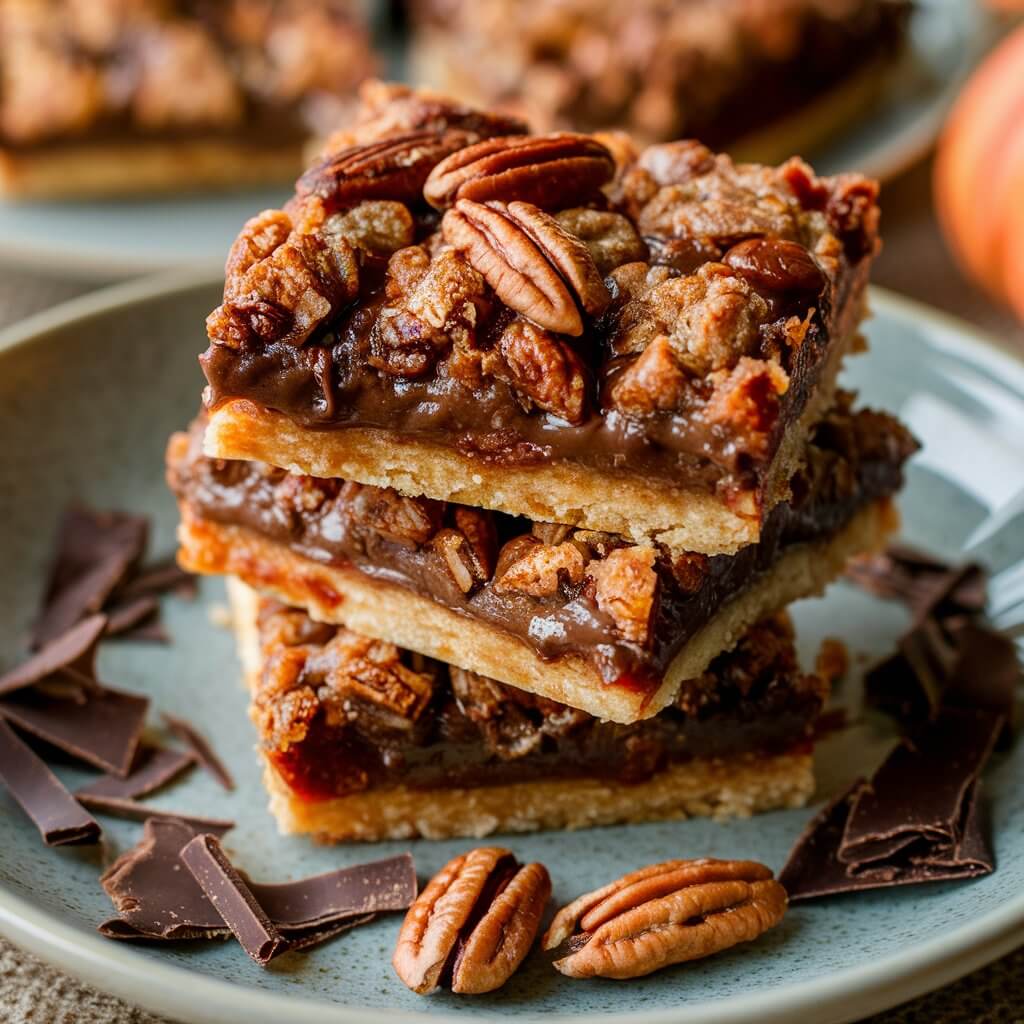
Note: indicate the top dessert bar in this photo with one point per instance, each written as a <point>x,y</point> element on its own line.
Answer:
<point>729,72</point>
<point>117,96</point>
<point>558,326</point>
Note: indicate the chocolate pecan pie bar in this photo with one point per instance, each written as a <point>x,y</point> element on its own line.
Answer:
<point>588,619</point>
<point>763,78</point>
<point>364,741</point>
<point>556,326</point>
<point>109,97</point>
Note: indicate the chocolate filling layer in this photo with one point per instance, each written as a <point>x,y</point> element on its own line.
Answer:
<point>338,713</point>
<point>855,459</point>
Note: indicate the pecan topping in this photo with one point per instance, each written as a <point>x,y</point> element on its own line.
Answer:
<point>289,293</point>
<point>378,227</point>
<point>434,304</point>
<point>542,368</point>
<point>666,914</point>
<point>464,565</point>
<point>259,237</point>
<point>673,163</point>
<point>653,382</point>
<point>393,168</point>
<point>546,170</point>
<point>534,266</point>
<point>538,569</point>
<point>410,522</point>
<point>776,265</point>
<point>610,237</point>
<point>625,586</point>
<point>473,924</point>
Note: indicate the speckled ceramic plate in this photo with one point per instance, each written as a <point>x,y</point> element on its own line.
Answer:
<point>109,240</point>
<point>88,395</point>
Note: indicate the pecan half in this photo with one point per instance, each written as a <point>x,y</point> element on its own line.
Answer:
<point>534,266</point>
<point>473,924</point>
<point>549,171</point>
<point>665,914</point>
<point>393,168</point>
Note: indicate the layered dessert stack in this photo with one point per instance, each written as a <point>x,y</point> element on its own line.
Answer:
<point>517,447</point>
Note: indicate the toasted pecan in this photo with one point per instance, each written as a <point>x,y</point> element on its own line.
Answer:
<point>665,914</point>
<point>473,924</point>
<point>549,171</point>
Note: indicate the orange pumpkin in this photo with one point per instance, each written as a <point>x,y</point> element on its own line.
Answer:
<point>979,174</point>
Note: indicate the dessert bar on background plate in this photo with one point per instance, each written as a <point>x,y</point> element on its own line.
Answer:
<point>582,618</point>
<point>81,373</point>
<point>103,98</point>
<point>762,79</point>
<point>361,740</point>
<point>631,342</point>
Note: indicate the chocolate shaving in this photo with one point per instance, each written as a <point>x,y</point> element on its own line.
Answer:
<point>227,891</point>
<point>364,889</point>
<point>918,794</point>
<point>155,767</point>
<point>151,632</point>
<point>205,754</point>
<point>151,892</point>
<point>158,901</point>
<point>946,657</point>
<point>125,617</point>
<point>157,580</point>
<point>102,729</point>
<point>133,810</point>
<point>917,820</point>
<point>61,820</point>
<point>95,552</point>
<point>74,650</point>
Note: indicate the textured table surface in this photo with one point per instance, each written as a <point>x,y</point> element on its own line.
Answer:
<point>914,262</point>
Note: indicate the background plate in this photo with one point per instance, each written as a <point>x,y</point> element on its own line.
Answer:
<point>121,239</point>
<point>88,395</point>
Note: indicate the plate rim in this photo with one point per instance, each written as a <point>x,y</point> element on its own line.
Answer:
<point>843,995</point>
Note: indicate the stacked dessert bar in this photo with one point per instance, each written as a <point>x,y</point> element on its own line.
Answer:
<point>517,447</point>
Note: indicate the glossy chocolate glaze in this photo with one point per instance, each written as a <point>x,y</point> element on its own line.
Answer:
<point>569,622</point>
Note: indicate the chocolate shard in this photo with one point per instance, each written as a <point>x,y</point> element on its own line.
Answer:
<point>153,768</point>
<point>986,671</point>
<point>102,729</point>
<point>126,616</point>
<point>812,868</point>
<point>917,797</point>
<point>322,899</point>
<point>133,810</point>
<point>157,900</point>
<point>227,891</point>
<point>95,552</point>
<point>61,820</point>
<point>918,819</point>
<point>156,580</point>
<point>205,754</point>
<point>74,650</point>
<point>151,892</point>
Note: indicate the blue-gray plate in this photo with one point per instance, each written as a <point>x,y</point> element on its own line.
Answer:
<point>88,396</point>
